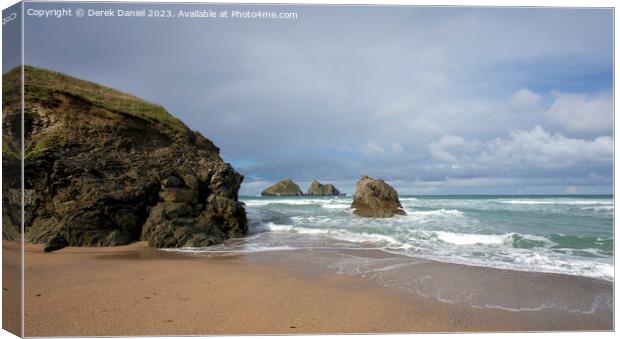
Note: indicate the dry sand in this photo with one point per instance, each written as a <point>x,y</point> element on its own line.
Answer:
<point>135,290</point>
<point>11,287</point>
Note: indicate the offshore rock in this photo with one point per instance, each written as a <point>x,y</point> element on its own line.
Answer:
<point>318,189</point>
<point>376,199</point>
<point>286,187</point>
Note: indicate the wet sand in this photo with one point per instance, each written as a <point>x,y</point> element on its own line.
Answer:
<point>135,290</point>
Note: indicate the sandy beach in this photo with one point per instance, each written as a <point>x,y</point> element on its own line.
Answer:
<point>136,290</point>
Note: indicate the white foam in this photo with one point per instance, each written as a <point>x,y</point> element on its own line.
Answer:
<point>472,239</point>
<point>550,262</point>
<point>557,202</point>
<point>336,206</point>
<point>598,302</point>
<point>599,208</point>
<point>340,234</point>
<point>395,266</point>
<point>440,212</point>
<point>245,249</point>
<point>265,202</point>
<point>535,238</point>
<point>290,228</point>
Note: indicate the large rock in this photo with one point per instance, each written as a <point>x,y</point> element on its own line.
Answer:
<point>318,189</point>
<point>376,199</point>
<point>286,187</point>
<point>105,168</point>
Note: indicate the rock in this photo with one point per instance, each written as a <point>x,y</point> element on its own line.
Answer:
<point>286,187</point>
<point>105,168</point>
<point>171,181</point>
<point>376,199</point>
<point>11,165</point>
<point>318,189</point>
<point>179,195</point>
<point>56,243</point>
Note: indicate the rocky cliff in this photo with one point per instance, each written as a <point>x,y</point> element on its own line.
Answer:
<point>105,168</point>
<point>286,187</point>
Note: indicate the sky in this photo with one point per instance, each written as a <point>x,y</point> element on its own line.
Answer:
<point>435,100</point>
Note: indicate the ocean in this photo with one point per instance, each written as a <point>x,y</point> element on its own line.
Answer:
<point>571,235</point>
<point>561,234</point>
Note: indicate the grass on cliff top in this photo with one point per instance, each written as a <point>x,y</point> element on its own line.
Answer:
<point>41,84</point>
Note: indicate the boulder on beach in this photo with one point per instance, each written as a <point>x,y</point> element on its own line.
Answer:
<point>318,189</point>
<point>286,187</point>
<point>105,168</point>
<point>376,199</point>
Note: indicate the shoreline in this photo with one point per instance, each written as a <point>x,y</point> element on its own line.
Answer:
<point>137,290</point>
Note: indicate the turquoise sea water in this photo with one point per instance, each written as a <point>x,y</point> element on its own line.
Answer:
<point>561,234</point>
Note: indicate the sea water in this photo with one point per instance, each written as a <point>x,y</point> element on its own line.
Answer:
<point>561,234</point>
<point>570,235</point>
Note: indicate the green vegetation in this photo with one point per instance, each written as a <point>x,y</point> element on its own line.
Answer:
<point>38,148</point>
<point>41,84</point>
<point>55,142</point>
<point>9,152</point>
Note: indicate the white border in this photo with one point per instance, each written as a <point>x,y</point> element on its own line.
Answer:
<point>489,3</point>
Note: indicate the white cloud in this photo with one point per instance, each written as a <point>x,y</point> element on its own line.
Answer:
<point>440,149</point>
<point>345,149</point>
<point>444,148</point>
<point>524,98</point>
<point>539,148</point>
<point>398,107</point>
<point>252,187</point>
<point>397,148</point>
<point>232,119</point>
<point>523,149</point>
<point>372,148</point>
<point>579,113</point>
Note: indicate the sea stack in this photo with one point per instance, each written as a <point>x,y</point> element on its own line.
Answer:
<point>376,199</point>
<point>318,189</point>
<point>286,187</point>
<point>105,168</point>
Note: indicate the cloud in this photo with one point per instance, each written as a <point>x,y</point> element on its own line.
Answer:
<point>315,98</point>
<point>232,119</point>
<point>253,187</point>
<point>524,98</point>
<point>541,149</point>
<point>581,113</point>
<point>372,148</point>
<point>525,149</point>
<point>442,148</point>
<point>397,148</point>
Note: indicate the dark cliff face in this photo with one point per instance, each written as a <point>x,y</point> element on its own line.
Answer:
<point>105,168</point>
